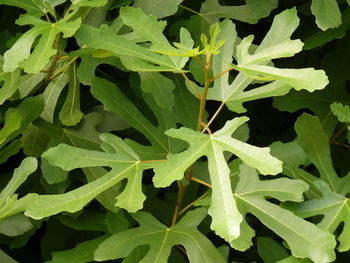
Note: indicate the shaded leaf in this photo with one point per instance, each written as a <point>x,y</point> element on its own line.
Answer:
<point>327,13</point>
<point>161,239</point>
<point>335,209</point>
<point>158,9</point>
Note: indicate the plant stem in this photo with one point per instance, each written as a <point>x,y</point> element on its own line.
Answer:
<point>200,181</point>
<point>191,10</point>
<point>55,59</point>
<point>203,97</point>
<point>192,203</point>
<point>220,74</point>
<point>180,196</point>
<point>206,127</point>
<point>63,68</point>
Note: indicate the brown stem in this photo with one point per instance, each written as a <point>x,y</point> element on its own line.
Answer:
<point>178,204</point>
<point>220,74</point>
<point>183,210</point>
<point>342,144</point>
<point>200,181</point>
<point>337,133</point>
<point>55,59</point>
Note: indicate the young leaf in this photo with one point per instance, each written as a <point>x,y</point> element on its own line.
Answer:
<point>20,55</point>
<point>161,239</point>
<point>303,238</point>
<point>276,44</point>
<point>226,217</point>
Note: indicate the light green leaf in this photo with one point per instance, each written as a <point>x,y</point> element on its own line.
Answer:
<point>20,53</point>
<point>327,13</point>
<point>28,82</point>
<point>335,209</point>
<point>118,156</point>
<point>70,113</point>
<point>303,238</point>
<point>20,174</point>
<point>86,136</point>
<point>9,205</point>
<point>51,94</point>
<point>226,217</point>
<point>256,65</point>
<point>161,239</point>
<point>289,152</point>
<point>15,225</point>
<point>137,55</point>
<point>149,29</point>
<point>157,8</point>
<point>82,253</point>
<point>11,81</point>
<point>314,141</point>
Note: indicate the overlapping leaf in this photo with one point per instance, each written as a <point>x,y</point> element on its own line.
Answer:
<point>124,164</point>
<point>226,217</point>
<point>334,207</point>
<point>10,205</point>
<point>16,121</point>
<point>251,12</point>
<point>327,13</point>
<point>114,100</point>
<point>303,238</point>
<point>161,240</point>
<point>315,144</point>
<point>276,44</point>
<point>85,135</point>
<point>332,203</point>
<point>20,55</point>
<point>136,57</point>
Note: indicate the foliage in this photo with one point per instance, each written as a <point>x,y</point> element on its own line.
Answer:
<point>174,131</point>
